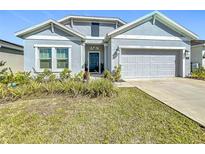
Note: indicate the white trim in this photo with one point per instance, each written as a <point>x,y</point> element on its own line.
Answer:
<point>70,58</point>
<point>91,18</point>
<point>82,54</point>
<point>52,28</point>
<point>98,62</point>
<point>53,58</point>
<point>47,37</point>
<point>37,65</point>
<point>152,47</point>
<point>158,16</point>
<point>71,22</point>
<point>183,63</point>
<point>147,37</point>
<point>94,38</point>
<point>105,55</point>
<point>54,46</point>
<point>48,22</point>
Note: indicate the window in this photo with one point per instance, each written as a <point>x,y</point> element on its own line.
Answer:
<point>95,29</point>
<point>62,57</point>
<point>45,58</point>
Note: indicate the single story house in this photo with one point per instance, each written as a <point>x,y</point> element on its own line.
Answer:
<point>151,46</point>
<point>12,54</point>
<point>198,53</point>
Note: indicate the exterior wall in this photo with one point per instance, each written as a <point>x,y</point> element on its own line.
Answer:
<point>149,29</point>
<point>85,28</point>
<point>13,59</point>
<point>196,54</point>
<point>29,50</point>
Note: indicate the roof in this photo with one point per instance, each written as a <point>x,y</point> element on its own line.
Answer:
<point>198,42</point>
<point>159,16</point>
<point>92,18</point>
<point>10,45</point>
<point>48,22</point>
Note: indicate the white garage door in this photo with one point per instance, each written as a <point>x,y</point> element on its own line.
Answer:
<point>149,63</point>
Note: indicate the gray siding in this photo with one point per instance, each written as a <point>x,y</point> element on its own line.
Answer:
<point>82,27</point>
<point>106,28</point>
<point>85,28</point>
<point>46,31</point>
<point>148,28</point>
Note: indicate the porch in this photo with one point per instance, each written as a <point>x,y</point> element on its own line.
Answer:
<point>95,58</point>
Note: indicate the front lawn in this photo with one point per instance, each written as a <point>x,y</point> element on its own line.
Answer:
<point>130,117</point>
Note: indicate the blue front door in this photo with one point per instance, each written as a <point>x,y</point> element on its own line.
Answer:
<point>94,62</point>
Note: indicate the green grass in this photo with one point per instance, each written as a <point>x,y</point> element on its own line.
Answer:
<point>132,117</point>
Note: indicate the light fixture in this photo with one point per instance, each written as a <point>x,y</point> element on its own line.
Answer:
<point>203,54</point>
<point>187,54</point>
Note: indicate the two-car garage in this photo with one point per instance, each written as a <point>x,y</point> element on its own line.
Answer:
<point>150,63</point>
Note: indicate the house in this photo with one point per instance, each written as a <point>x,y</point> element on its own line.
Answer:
<point>198,53</point>
<point>151,46</point>
<point>12,54</point>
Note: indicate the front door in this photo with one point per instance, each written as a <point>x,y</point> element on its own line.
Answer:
<point>94,65</point>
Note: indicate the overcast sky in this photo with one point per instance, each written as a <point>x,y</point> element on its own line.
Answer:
<point>13,21</point>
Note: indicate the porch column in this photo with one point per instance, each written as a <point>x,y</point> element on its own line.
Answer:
<point>83,55</point>
<point>184,61</point>
<point>105,55</point>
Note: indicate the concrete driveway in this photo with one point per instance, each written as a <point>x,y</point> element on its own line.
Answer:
<point>184,95</point>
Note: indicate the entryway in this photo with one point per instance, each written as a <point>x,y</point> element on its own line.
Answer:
<point>94,61</point>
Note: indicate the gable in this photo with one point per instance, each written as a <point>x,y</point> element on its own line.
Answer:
<point>47,31</point>
<point>150,29</point>
<point>49,28</point>
<point>171,26</point>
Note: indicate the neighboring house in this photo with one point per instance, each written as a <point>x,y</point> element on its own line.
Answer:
<point>198,53</point>
<point>152,46</point>
<point>12,54</point>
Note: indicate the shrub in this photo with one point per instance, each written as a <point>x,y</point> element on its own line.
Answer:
<point>78,76</point>
<point>65,74</point>
<point>101,87</point>
<point>46,75</point>
<point>22,78</point>
<point>117,73</point>
<point>73,88</point>
<point>107,75</point>
<point>199,73</point>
